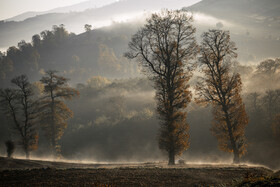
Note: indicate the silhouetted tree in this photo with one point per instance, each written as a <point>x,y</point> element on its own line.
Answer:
<point>164,47</point>
<point>10,147</point>
<point>60,33</point>
<point>6,66</point>
<point>28,105</point>
<point>267,74</point>
<point>268,67</point>
<point>271,103</point>
<point>20,107</point>
<point>36,41</point>
<point>221,87</point>
<point>254,99</point>
<point>29,56</point>
<point>54,112</point>
<point>88,27</point>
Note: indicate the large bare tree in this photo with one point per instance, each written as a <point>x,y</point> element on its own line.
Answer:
<point>54,112</point>
<point>221,87</point>
<point>164,46</point>
<point>20,106</point>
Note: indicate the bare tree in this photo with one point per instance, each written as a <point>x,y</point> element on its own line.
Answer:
<point>19,105</point>
<point>221,87</point>
<point>55,113</point>
<point>164,48</point>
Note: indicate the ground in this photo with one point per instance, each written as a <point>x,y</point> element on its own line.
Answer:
<point>17,172</point>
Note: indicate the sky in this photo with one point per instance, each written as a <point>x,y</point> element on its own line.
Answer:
<point>10,8</point>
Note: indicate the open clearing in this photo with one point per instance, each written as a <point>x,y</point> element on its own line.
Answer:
<point>17,172</point>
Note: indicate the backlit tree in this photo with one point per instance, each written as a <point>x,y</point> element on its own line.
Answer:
<point>54,112</point>
<point>19,105</point>
<point>221,88</point>
<point>164,48</point>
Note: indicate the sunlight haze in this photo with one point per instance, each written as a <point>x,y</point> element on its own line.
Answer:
<point>10,8</point>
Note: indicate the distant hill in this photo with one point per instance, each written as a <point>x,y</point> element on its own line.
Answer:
<point>257,12</point>
<point>100,52</point>
<point>11,32</point>
<point>72,8</point>
<point>254,25</point>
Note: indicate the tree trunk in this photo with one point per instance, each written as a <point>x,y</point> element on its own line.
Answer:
<point>53,136</point>
<point>53,144</point>
<point>171,158</point>
<point>27,154</point>
<point>235,157</point>
<point>232,141</point>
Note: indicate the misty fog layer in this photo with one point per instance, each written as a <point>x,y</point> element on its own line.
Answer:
<point>115,120</point>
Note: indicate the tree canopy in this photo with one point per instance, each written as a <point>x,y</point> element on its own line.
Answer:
<point>164,47</point>
<point>54,112</point>
<point>221,87</point>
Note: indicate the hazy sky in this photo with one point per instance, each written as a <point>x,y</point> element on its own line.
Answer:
<point>10,8</point>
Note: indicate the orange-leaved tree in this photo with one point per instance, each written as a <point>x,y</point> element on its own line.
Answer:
<point>54,112</point>
<point>164,47</point>
<point>221,87</point>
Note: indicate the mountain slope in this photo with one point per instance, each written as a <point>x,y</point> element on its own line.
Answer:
<point>241,11</point>
<point>12,32</point>
<point>73,8</point>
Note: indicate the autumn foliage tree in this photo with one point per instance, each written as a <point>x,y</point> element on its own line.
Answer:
<point>164,48</point>
<point>221,88</point>
<point>20,107</point>
<point>54,112</point>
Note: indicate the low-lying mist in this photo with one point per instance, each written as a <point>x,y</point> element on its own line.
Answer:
<point>115,121</point>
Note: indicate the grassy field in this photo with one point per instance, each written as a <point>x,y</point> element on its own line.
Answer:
<point>16,172</point>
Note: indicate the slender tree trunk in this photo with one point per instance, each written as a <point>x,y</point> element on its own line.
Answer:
<point>171,158</point>
<point>236,158</point>
<point>232,141</point>
<point>170,93</point>
<point>53,142</point>
<point>27,154</point>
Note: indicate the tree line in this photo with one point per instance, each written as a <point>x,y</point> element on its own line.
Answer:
<point>26,56</point>
<point>62,50</point>
<point>27,112</point>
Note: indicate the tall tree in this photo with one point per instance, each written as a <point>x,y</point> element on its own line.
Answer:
<point>19,105</point>
<point>164,48</point>
<point>221,87</point>
<point>55,113</point>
